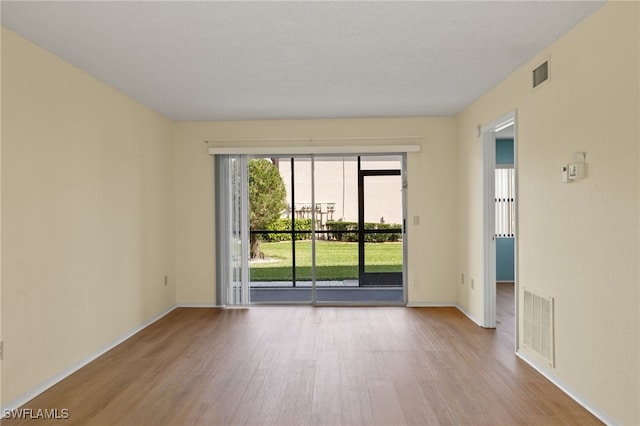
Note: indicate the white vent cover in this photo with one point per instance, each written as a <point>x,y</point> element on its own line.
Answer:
<point>538,326</point>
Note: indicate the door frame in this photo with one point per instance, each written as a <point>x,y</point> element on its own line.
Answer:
<point>368,278</point>
<point>488,138</point>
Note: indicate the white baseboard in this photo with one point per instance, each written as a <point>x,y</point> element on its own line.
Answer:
<point>431,305</point>
<point>566,389</point>
<point>444,305</point>
<point>32,393</point>
<point>469,315</point>
<point>198,305</point>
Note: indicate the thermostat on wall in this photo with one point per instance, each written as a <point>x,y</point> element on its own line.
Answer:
<point>575,170</point>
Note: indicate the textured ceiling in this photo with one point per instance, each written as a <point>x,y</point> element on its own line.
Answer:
<point>273,60</point>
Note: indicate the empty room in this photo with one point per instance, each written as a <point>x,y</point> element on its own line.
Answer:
<point>320,213</point>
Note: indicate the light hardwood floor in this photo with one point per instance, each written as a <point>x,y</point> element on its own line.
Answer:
<point>314,366</point>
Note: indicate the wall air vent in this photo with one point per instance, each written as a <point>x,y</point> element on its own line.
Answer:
<point>541,74</point>
<point>539,326</point>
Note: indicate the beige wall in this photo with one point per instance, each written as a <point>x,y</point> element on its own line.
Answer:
<point>86,215</point>
<point>578,242</point>
<point>431,195</point>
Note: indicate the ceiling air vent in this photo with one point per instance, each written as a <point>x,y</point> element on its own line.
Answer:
<point>541,74</point>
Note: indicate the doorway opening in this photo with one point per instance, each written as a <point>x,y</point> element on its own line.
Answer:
<point>505,231</point>
<point>500,218</point>
<point>335,235</point>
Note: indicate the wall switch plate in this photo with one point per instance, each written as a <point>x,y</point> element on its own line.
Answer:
<point>576,171</point>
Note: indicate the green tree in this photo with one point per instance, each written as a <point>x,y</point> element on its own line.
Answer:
<point>267,199</point>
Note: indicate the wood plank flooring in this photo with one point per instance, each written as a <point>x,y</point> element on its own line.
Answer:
<point>313,366</point>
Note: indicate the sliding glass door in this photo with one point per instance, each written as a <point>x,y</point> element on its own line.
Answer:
<point>317,230</point>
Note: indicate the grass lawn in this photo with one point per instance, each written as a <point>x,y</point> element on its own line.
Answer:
<point>334,260</point>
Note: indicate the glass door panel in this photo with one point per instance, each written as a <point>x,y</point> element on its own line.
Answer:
<point>336,221</point>
<point>282,273</point>
<point>359,256</point>
<point>381,227</point>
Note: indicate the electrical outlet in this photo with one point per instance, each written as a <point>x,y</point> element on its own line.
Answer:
<point>472,284</point>
<point>1,351</point>
<point>165,280</point>
<point>462,278</point>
